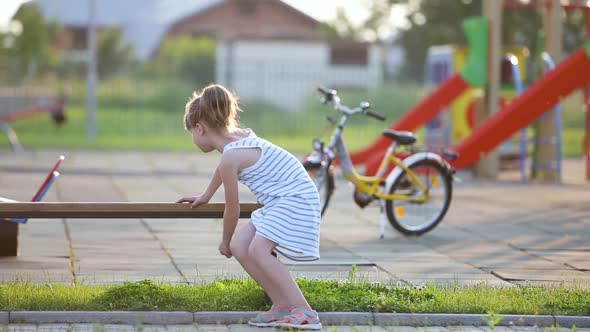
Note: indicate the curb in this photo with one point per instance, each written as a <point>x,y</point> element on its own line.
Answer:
<point>241,317</point>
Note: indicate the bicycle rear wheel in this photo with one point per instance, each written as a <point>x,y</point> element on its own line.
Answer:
<point>323,178</point>
<point>417,218</point>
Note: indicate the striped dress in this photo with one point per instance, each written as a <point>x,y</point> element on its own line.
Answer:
<point>290,213</point>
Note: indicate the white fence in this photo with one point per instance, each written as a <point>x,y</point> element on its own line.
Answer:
<point>284,73</point>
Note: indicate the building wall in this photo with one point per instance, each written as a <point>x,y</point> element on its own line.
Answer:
<point>72,41</point>
<point>248,18</point>
<point>284,73</point>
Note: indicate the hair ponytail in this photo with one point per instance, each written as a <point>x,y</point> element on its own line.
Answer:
<point>214,105</point>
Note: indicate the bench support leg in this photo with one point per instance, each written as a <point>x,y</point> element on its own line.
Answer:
<point>8,238</point>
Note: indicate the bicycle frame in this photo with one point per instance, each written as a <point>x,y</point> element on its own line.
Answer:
<point>370,184</point>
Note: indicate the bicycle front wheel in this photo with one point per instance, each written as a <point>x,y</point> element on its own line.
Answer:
<point>417,218</point>
<point>323,178</point>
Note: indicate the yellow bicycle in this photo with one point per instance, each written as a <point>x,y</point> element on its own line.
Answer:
<point>415,195</point>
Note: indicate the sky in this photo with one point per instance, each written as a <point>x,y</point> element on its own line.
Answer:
<point>7,9</point>
<point>324,10</point>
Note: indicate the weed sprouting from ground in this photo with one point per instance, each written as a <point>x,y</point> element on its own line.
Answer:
<point>492,320</point>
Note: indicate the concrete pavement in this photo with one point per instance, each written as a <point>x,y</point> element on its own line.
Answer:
<point>234,321</point>
<point>246,328</point>
<point>499,233</point>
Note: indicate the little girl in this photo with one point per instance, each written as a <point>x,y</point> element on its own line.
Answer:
<point>288,222</point>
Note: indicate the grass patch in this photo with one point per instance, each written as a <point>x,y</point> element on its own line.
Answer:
<point>150,129</point>
<point>117,129</point>
<point>147,115</point>
<point>346,296</point>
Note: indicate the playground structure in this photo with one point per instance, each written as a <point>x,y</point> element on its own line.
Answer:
<point>533,102</point>
<point>457,121</point>
<point>23,103</point>
<point>566,77</point>
<point>513,78</point>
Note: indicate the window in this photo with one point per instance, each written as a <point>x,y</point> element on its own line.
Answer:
<point>79,38</point>
<point>349,54</point>
<point>247,7</point>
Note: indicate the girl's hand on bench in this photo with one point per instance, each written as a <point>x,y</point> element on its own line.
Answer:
<point>194,200</point>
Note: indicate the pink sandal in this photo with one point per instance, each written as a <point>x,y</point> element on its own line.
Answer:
<point>300,319</point>
<point>268,318</point>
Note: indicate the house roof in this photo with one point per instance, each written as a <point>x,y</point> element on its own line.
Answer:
<point>143,22</point>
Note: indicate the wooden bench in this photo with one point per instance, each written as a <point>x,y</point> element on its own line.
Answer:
<point>89,210</point>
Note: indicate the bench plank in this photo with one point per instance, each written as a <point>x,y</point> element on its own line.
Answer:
<point>117,210</point>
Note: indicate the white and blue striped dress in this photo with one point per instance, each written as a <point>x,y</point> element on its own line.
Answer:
<point>290,213</point>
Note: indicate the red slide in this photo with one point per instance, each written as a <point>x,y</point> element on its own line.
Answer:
<point>569,75</point>
<point>423,112</point>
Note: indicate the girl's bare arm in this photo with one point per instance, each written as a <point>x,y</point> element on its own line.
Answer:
<point>213,185</point>
<point>206,196</point>
<point>228,174</point>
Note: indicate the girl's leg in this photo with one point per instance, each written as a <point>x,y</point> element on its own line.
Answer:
<point>239,248</point>
<point>281,281</point>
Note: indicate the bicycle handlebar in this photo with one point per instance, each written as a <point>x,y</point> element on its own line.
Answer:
<point>329,96</point>
<point>328,93</point>
<point>375,115</point>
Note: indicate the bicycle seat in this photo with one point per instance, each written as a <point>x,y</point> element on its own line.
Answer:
<point>401,137</point>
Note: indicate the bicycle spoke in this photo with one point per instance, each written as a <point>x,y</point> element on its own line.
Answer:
<point>414,216</point>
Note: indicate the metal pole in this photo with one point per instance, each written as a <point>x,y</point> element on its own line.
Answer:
<point>546,168</point>
<point>586,144</point>
<point>91,75</point>
<point>488,166</point>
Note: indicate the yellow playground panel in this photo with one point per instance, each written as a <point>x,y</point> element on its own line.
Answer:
<point>462,108</point>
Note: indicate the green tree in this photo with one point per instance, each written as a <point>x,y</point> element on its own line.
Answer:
<point>574,33</point>
<point>432,22</point>
<point>191,58</point>
<point>111,54</point>
<point>437,22</point>
<point>368,30</point>
<point>32,46</point>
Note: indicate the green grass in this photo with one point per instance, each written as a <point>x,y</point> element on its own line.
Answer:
<point>244,295</point>
<point>148,116</point>
<point>117,129</point>
<point>572,140</point>
<point>150,129</point>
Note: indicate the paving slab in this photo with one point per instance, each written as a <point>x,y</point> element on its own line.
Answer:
<point>579,258</point>
<point>82,327</point>
<point>213,328</point>
<point>466,328</point>
<point>498,233</point>
<point>120,327</point>
<point>53,328</point>
<point>22,327</point>
<point>182,328</point>
<point>543,275</point>
<point>504,329</point>
<point>100,317</point>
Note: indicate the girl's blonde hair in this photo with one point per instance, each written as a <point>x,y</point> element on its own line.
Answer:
<point>214,105</point>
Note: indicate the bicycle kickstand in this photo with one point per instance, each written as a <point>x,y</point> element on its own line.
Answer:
<point>382,219</point>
